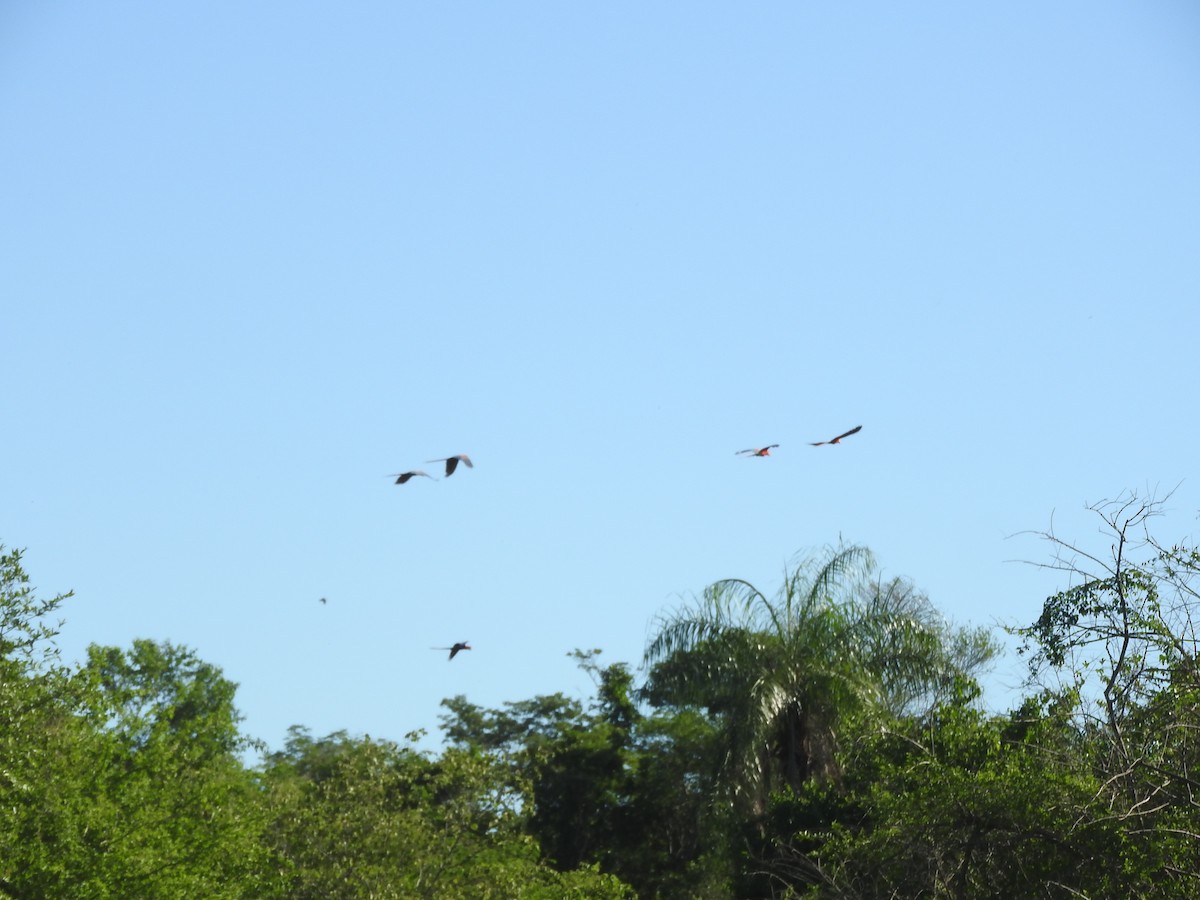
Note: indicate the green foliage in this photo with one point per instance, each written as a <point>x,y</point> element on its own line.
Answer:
<point>1091,613</point>
<point>672,841</point>
<point>28,677</point>
<point>605,786</point>
<point>962,805</point>
<point>1124,638</point>
<point>25,634</point>
<point>119,779</point>
<point>103,817</point>
<point>364,818</point>
<point>782,674</point>
<point>179,810</point>
<point>841,716</point>
<point>159,695</point>
<point>35,723</point>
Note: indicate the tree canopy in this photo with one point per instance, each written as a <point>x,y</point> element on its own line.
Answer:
<point>823,741</point>
<point>782,674</point>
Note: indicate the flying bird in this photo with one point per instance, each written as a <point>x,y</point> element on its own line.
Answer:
<point>453,461</point>
<point>838,439</point>
<point>323,601</point>
<point>460,645</point>
<point>760,451</point>
<point>402,477</point>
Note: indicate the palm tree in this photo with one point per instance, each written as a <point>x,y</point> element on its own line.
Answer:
<point>782,674</point>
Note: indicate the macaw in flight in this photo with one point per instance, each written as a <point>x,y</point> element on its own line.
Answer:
<point>838,439</point>
<point>459,645</point>
<point>453,461</point>
<point>402,477</point>
<point>761,451</point>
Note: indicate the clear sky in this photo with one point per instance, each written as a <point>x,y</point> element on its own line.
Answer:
<point>256,256</point>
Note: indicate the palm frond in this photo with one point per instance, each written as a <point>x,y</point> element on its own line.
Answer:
<point>723,606</point>
<point>779,674</point>
<point>843,564</point>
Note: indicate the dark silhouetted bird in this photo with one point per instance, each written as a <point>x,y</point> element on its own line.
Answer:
<point>453,461</point>
<point>461,645</point>
<point>838,439</point>
<point>402,477</point>
<point>761,451</point>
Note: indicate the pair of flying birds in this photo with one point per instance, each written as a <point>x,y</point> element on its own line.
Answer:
<point>451,464</point>
<point>766,451</point>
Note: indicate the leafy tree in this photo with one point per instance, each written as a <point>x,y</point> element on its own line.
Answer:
<point>1122,638</point>
<point>42,743</point>
<point>164,695</point>
<point>26,635</point>
<point>959,804</point>
<point>782,674</point>
<point>607,786</point>
<point>121,778</point>
<point>674,842</point>
<point>366,818</point>
<point>176,812</point>
<point>31,681</point>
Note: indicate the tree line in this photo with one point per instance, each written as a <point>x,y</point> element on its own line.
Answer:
<point>825,740</point>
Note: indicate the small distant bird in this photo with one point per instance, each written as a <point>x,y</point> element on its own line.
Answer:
<point>323,601</point>
<point>838,439</point>
<point>402,477</point>
<point>461,645</point>
<point>453,461</point>
<point>761,451</point>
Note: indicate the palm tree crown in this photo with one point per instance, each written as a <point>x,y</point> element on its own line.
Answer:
<point>782,673</point>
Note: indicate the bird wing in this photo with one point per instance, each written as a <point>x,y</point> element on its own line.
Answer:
<point>453,461</point>
<point>855,430</point>
<point>402,477</point>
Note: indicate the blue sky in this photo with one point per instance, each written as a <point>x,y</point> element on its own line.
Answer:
<point>258,256</point>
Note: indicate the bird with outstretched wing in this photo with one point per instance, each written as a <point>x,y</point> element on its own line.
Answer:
<point>453,461</point>
<point>459,645</point>
<point>757,451</point>
<point>402,477</point>
<point>837,440</point>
